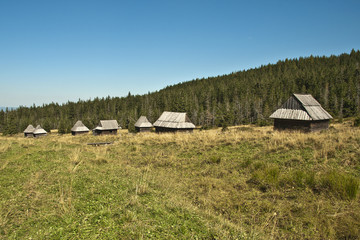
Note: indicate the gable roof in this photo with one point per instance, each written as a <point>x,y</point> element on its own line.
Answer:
<point>108,125</point>
<point>79,127</point>
<point>143,122</point>
<point>301,107</point>
<point>29,129</point>
<point>174,120</point>
<point>39,130</point>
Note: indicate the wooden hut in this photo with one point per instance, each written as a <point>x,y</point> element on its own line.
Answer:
<point>79,128</point>
<point>29,131</point>
<point>39,131</point>
<point>301,112</point>
<point>143,125</point>
<point>174,122</point>
<point>106,127</point>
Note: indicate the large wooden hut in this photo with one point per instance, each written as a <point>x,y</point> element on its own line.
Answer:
<point>301,112</point>
<point>143,125</point>
<point>79,128</point>
<point>174,122</point>
<point>39,131</point>
<point>106,127</point>
<point>29,131</point>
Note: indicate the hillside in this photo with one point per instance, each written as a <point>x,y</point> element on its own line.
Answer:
<point>237,98</point>
<point>246,183</point>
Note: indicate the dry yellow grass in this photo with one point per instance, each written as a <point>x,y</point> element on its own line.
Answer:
<point>248,182</point>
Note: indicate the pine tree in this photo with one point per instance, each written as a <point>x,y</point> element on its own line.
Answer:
<point>62,127</point>
<point>47,125</point>
<point>11,126</point>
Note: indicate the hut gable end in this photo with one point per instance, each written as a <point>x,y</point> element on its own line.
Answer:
<point>79,127</point>
<point>302,107</point>
<point>29,129</point>
<point>292,103</point>
<point>143,122</point>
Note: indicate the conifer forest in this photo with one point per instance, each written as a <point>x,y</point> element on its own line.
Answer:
<point>242,97</point>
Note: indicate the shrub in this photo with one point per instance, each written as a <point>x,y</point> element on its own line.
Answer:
<point>131,128</point>
<point>357,122</point>
<point>206,127</point>
<point>224,127</point>
<point>263,123</point>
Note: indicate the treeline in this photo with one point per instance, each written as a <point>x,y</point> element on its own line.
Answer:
<point>238,98</point>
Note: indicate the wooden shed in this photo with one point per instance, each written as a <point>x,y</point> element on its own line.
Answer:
<point>79,128</point>
<point>301,112</point>
<point>174,122</point>
<point>143,125</point>
<point>39,131</point>
<point>106,127</point>
<point>29,131</point>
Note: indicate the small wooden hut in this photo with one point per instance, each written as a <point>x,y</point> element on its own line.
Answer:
<point>39,131</point>
<point>174,122</point>
<point>143,125</point>
<point>106,127</point>
<point>79,128</point>
<point>29,131</point>
<point>301,112</point>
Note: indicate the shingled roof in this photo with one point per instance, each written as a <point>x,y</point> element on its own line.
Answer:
<point>176,120</point>
<point>79,127</point>
<point>143,122</point>
<point>29,129</point>
<point>301,107</point>
<point>108,125</point>
<point>39,130</point>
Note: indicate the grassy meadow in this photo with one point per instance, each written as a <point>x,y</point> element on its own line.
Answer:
<point>244,183</point>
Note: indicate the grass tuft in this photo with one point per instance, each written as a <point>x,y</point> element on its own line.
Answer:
<point>340,184</point>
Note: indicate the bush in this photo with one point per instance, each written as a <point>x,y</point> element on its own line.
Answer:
<point>63,127</point>
<point>224,127</point>
<point>206,127</point>
<point>357,122</point>
<point>131,126</point>
<point>263,123</point>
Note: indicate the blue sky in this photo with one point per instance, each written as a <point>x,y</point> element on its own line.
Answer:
<point>55,51</point>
